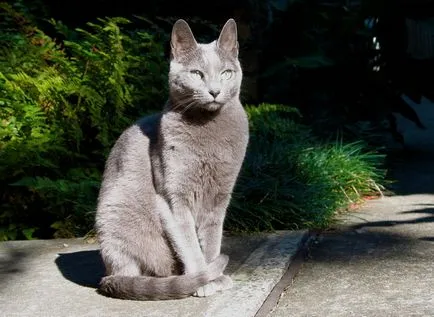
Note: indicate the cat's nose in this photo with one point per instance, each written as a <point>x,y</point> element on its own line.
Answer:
<point>214,92</point>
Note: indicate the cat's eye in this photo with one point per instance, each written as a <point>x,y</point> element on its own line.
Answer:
<point>196,74</point>
<point>227,74</point>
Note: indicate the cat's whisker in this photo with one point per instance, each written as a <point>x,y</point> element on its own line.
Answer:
<point>189,106</point>
<point>182,102</point>
<point>180,105</point>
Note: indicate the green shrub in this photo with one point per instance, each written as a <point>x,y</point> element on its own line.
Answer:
<point>291,180</point>
<point>63,103</point>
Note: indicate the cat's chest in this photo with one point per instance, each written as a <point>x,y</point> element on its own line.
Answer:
<point>210,155</point>
<point>203,151</point>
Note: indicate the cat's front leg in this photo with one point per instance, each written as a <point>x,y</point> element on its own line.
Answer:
<point>210,227</point>
<point>180,227</point>
<point>210,232</point>
<point>194,260</point>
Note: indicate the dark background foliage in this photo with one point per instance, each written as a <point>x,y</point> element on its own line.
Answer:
<point>315,54</point>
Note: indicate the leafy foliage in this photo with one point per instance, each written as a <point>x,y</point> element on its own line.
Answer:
<point>63,104</point>
<point>292,180</point>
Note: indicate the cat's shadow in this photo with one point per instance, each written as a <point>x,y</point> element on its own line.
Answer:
<point>84,268</point>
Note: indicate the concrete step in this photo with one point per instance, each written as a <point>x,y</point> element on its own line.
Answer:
<point>59,278</point>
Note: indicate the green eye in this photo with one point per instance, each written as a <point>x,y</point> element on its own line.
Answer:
<point>197,74</point>
<point>227,74</point>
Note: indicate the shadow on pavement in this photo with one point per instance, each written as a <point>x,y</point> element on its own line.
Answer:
<point>373,240</point>
<point>364,246</point>
<point>391,223</point>
<point>11,262</point>
<point>431,239</point>
<point>84,267</point>
<point>421,211</point>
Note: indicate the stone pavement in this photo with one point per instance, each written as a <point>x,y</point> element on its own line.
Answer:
<point>58,278</point>
<point>379,261</point>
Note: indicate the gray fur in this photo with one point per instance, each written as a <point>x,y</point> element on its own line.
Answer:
<point>168,179</point>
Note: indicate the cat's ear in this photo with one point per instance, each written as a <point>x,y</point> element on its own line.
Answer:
<point>228,38</point>
<point>182,39</point>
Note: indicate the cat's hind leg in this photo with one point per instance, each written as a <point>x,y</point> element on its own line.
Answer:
<point>118,263</point>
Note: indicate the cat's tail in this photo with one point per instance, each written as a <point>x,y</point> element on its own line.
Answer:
<point>159,288</point>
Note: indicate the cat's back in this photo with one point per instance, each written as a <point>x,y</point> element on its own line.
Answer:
<point>132,149</point>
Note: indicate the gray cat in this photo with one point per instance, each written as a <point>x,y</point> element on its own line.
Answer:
<point>169,178</point>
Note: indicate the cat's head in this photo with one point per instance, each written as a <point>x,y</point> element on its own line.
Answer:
<point>204,76</point>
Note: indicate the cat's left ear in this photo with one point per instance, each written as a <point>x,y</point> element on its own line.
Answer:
<point>228,38</point>
<point>182,39</point>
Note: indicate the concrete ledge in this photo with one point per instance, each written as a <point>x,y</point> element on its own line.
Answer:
<point>59,277</point>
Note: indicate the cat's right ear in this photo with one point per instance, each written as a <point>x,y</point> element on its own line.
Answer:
<point>182,39</point>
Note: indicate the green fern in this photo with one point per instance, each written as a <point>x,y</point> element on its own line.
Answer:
<point>62,106</point>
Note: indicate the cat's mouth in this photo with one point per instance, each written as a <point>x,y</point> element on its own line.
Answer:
<point>213,106</point>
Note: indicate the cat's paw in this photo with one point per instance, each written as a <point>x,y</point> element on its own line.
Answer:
<point>206,290</point>
<point>221,283</point>
<point>224,282</point>
<point>216,267</point>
